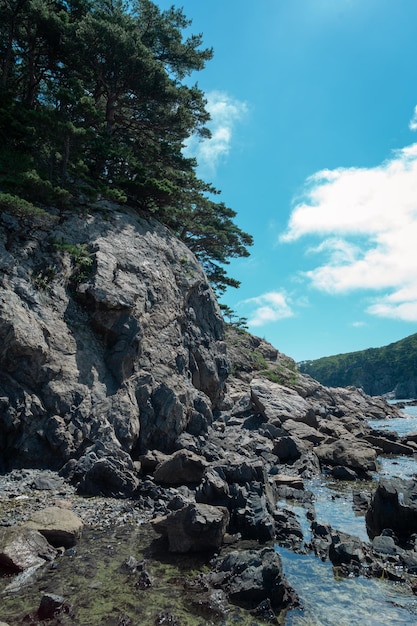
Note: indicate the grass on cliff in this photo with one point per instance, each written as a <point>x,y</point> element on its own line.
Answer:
<point>252,356</point>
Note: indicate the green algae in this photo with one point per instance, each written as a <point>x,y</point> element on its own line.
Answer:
<point>101,592</point>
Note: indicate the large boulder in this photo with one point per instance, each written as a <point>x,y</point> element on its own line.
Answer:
<point>181,468</point>
<point>60,527</point>
<point>393,506</point>
<point>194,527</point>
<point>103,470</point>
<point>353,453</point>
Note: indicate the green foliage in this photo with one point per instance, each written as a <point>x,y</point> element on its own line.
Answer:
<point>240,323</point>
<point>19,207</point>
<point>375,370</point>
<point>280,375</point>
<point>95,100</point>
<point>81,258</point>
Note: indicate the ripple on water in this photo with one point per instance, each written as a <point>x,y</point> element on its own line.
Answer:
<point>344,601</point>
<point>328,600</point>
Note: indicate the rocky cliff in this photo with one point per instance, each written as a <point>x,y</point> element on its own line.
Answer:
<point>112,345</point>
<point>109,332</point>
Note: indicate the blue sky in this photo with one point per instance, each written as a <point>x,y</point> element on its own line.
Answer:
<point>314,144</point>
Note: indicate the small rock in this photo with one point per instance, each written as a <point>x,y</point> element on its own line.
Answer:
<point>291,481</point>
<point>51,605</point>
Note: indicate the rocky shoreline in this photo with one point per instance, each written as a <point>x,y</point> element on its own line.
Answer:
<point>217,494</point>
<point>155,450</point>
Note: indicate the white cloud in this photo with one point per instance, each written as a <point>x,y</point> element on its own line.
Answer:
<point>225,113</point>
<point>268,307</point>
<point>402,304</point>
<point>413,122</point>
<point>366,219</point>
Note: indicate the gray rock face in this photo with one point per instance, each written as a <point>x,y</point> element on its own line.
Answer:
<point>127,351</point>
<point>278,403</point>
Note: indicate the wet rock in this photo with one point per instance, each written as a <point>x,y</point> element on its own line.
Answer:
<point>60,527</point>
<point>129,565</point>
<point>346,549</point>
<point>23,548</point>
<point>385,545</point>
<point>394,506</point>
<point>211,604</point>
<point>144,580</point>
<point>321,539</point>
<point>265,612</point>
<point>360,501</point>
<point>181,468</point>
<point>194,528</point>
<point>252,576</point>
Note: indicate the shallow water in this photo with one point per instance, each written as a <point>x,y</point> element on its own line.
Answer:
<point>91,581</point>
<point>345,601</point>
<point>328,600</point>
<point>102,594</point>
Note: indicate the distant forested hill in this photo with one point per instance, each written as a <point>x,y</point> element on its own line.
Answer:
<point>376,370</point>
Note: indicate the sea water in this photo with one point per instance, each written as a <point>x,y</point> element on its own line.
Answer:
<point>328,600</point>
